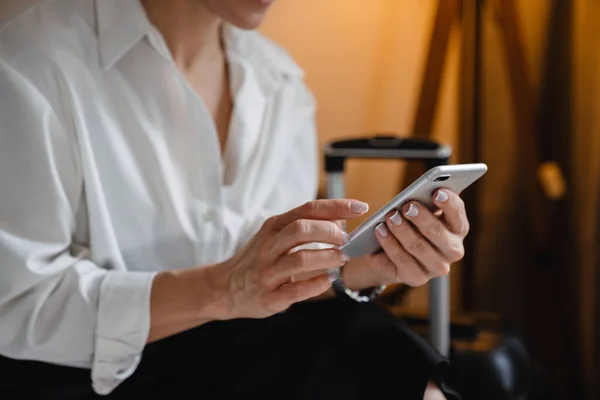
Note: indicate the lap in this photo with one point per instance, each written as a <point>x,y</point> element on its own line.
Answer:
<point>324,350</point>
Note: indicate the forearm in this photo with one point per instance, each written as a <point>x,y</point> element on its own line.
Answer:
<point>184,299</point>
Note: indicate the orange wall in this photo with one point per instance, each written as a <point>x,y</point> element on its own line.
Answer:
<point>364,61</point>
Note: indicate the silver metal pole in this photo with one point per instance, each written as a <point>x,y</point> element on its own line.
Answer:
<point>335,185</point>
<point>439,314</point>
<point>336,188</point>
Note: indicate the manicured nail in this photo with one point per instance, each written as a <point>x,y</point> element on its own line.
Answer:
<point>345,238</point>
<point>396,218</point>
<point>382,229</point>
<point>358,207</point>
<point>345,257</point>
<point>413,211</point>
<point>442,196</point>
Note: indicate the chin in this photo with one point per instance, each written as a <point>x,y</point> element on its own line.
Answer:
<point>244,14</point>
<point>248,22</point>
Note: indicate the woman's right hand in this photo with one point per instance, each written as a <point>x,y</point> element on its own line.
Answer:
<point>259,281</point>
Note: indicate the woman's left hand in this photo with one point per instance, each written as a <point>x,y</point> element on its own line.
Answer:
<point>418,245</point>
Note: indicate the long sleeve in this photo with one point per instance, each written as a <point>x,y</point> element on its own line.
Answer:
<point>56,305</point>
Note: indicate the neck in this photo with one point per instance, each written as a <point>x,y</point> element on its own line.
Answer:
<point>191,31</point>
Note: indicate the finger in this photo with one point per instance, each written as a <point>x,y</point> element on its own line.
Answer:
<point>435,231</point>
<point>303,231</point>
<point>333,209</point>
<point>415,244</point>
<point>305,261</point>
<point>453,207</point>
<point>296,292</point>
<point>395,263</point>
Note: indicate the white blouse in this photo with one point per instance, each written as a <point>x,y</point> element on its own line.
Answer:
<point>111,170</point>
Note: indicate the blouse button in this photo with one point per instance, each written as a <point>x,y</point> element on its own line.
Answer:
<point>203,209</point>
<point>213,214</point>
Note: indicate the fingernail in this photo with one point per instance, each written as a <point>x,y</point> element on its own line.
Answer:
<point>358,207</point>
<point>345,257</point>
<point>345,238</point>
<point>413,211</point>
<point>382,229</point>
<point>396,218</point>
<point>442,196</point>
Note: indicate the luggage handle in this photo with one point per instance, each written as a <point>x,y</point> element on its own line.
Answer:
<point>431,154</point>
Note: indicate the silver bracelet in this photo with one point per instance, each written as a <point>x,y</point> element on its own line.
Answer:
<point>340,288</point>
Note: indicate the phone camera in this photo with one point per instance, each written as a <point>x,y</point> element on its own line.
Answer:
<point>442,178</point>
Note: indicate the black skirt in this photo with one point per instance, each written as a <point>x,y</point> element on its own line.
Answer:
<point>320,350</point>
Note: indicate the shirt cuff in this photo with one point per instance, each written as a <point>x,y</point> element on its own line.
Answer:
<point>122,329</point>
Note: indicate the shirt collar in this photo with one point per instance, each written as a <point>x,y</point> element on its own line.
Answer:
<point>120,24</point>
<point>270,64</point>
<point>123,23</point>
<point>259,51</point>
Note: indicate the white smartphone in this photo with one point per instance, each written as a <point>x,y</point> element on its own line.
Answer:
<point>456,177</point>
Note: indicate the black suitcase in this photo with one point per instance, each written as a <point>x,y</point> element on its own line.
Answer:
<point>487,359</point>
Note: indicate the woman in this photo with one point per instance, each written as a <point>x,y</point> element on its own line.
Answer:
<point>150,154</point>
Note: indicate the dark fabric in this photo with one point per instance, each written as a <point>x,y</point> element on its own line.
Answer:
<point>321,350</point>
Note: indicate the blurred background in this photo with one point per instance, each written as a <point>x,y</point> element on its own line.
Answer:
<point>512,83</point>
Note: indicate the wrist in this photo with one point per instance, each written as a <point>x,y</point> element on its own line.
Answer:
<point>346,293</point>
<point>352,283</point>
<point>358,276</point>
<point>194,292</point>
<point>217,282</point>
<point>181,300</point>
